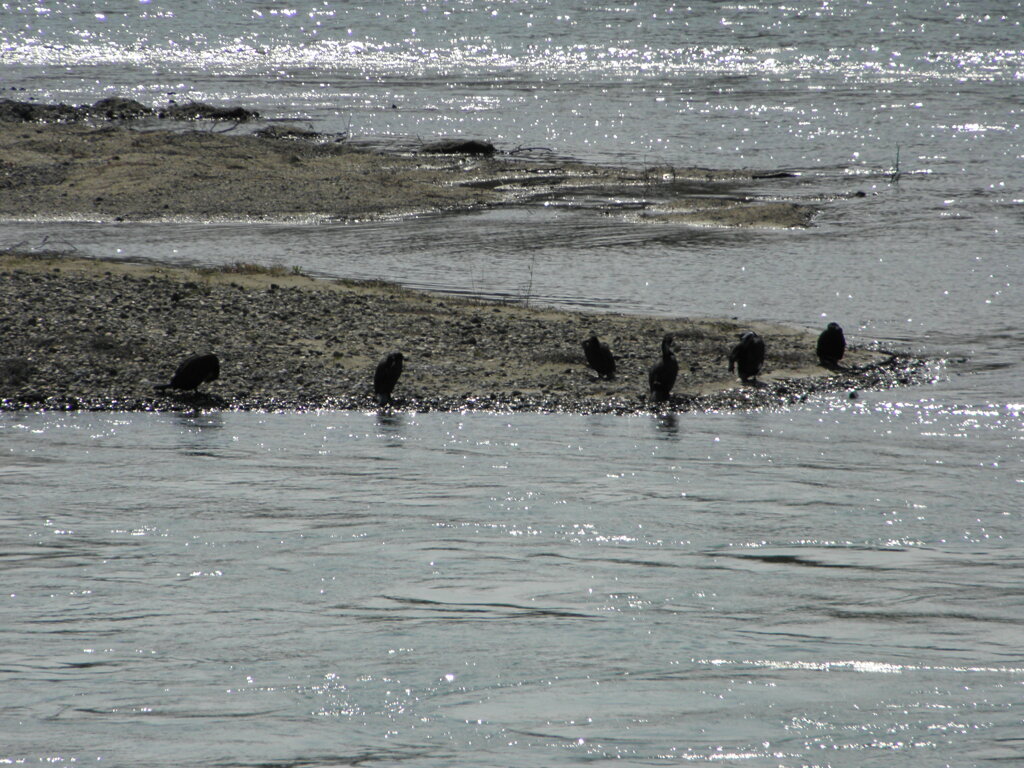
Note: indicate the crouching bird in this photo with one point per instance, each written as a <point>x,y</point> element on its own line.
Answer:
<point>599,357</point>
<point>193,372</point>
<point>386,376</point>
<point>662,376</point>
<point>747,357</point>
<point>831,346</point>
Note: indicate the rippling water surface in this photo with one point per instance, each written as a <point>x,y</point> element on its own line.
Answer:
<point>834,585</point>
<point>719,83</point>
<point>763,589</point>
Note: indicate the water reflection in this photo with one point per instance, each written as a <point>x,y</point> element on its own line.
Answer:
<point>667,425</point>
<point>200,433</point>
<point>392,425</point>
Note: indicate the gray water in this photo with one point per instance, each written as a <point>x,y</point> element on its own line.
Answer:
<point>754,589</point>
<point>836,584</point>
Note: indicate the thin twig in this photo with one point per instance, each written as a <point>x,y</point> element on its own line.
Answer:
<point>894,177</point>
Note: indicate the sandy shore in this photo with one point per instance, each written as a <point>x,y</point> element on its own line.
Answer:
<point>133,170</point>
<point>98,335</point>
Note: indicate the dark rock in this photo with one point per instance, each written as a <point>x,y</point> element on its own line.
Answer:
<point>113,108</point>
<point>460,147</point>
<point>197,110</point>
<point>26,112</point>
<point>116,108</point>
<point>773,175</point>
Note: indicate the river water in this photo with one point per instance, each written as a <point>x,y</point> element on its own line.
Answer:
<point>836,584</point>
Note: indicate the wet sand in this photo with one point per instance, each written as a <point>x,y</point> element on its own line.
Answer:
<point>99,335</point>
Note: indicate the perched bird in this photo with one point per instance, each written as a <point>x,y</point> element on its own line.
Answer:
<point>831,345</point>
<point>663,373</point>
<point>386,376</point>
<point>599,357</point>
<point>193,372</point>
<point>747,356</point>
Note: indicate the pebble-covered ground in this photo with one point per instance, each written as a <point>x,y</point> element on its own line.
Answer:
<point>87,334</point>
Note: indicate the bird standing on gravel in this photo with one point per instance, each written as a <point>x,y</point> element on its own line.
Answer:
<point>662,376</point>
<point>193,372</point>
<point>599,357</point>
<point>386,376</point>
<point>831,346</point>
<point>747,356</point>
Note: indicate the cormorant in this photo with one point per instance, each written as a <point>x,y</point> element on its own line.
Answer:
<point>193,372</point>
<point>747,356</point>
<point>599,357</point>
<point>831,345</point>
<point>386,376</point>
<point>663,373</point>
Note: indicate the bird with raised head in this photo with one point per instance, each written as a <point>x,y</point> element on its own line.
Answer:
<point>662,376</point>
<point>831,346</point>
<point>747,357</point>
<point>193,371</point>
<point>386,376</point>
<point>599,357</point>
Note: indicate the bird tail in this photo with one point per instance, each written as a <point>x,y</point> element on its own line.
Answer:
<point>161,387</point>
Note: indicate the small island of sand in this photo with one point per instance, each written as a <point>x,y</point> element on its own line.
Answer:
<point>133,170</point>
<point>89,334</point>
<point>99,335</point>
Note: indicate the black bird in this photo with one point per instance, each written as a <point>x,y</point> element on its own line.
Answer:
<point>599,357</point>
<point>747,356</point>
<point>663,373</point>
<point>386,376</point>
<point>193,372</point>
<point>831,346</point>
